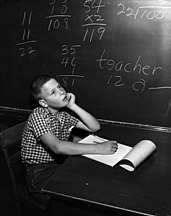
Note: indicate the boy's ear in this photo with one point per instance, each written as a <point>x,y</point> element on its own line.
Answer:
<point>43,103</point>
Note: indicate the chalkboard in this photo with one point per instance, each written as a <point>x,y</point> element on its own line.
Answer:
<point>113,54</point>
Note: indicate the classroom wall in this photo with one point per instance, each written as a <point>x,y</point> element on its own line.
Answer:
<point>113,54</point>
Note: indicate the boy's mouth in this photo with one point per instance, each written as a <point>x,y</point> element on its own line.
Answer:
<point>65,98</point>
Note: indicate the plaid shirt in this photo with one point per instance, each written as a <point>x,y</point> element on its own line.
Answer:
<point>40,122</point>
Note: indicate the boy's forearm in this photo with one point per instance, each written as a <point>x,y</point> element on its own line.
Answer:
<point>90,121</point>
<point>70,148</point>
<point>66,147</point>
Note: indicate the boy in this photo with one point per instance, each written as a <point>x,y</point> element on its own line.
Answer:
<point>48,129</point>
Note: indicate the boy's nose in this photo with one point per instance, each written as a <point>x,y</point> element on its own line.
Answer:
<point>61,92</point>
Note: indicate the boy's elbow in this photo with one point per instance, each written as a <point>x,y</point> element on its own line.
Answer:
<point>96,128</point>
<point>58,148</point>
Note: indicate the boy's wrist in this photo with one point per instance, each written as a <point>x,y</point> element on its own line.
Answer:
<point>72,106</point>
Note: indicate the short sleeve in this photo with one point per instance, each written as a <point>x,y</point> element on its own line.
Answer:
<point>40,125</point>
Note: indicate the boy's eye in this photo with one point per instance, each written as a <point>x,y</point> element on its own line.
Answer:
<point>59,86</point>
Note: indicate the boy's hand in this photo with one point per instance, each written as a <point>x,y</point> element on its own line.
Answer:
<point>71,100</point>
<point>108,147</point>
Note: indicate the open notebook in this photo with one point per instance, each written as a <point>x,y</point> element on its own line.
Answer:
<point>126,156</point>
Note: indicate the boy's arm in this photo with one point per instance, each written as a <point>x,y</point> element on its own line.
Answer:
<point>70,148</point>
<point>89,122</point>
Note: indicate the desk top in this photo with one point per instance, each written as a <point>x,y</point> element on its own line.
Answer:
<point>146,191</point>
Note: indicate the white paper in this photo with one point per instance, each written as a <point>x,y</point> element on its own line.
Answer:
<point>110,160</point>
<point>134,155</point>
<point>138,154</point>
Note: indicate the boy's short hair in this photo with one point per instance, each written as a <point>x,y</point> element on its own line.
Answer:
<point>37,83</point>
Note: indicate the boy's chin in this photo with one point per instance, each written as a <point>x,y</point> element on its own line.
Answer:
<point>65,104</point>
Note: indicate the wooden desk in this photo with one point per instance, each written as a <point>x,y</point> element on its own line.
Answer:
<point>146,191</point>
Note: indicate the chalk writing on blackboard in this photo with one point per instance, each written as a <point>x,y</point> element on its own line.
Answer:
<point>168,109</point>
<point>127,67</point>
<point>160,87</point>
<point>143,12</point>
<point>25,46</point>
<point>68,60</point>
<point>114,67</point>
<point>61,18</point>
<point>94,22</point>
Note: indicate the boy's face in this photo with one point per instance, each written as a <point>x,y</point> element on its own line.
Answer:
<point>54,95</point>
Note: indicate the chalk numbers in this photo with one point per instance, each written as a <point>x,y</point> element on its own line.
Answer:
<point>118,81</point>
<point>93,4</point>
<point>94,23</point>
<point>26,44</point>
<point>143,12</point>
<point>26,50</point>
<point>68,60</point>
<point>68,56</point>
<point>59,16</point>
